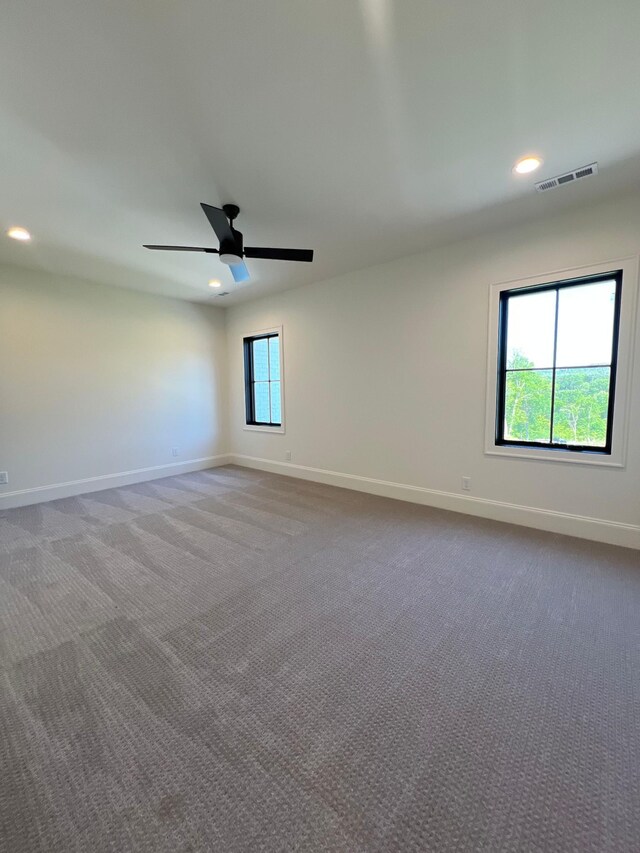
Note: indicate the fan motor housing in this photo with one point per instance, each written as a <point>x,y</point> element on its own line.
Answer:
<point>235,246</point>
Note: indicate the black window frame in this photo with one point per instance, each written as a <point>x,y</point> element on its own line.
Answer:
<point>562,284</point>
<point>249,380</point>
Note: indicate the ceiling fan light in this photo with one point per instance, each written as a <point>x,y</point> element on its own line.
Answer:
<point>230,259</point>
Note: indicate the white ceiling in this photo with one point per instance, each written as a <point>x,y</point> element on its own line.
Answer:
<point>364,129</point>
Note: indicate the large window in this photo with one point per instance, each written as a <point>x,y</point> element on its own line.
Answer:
<point>557,360</point>
<point>263,380</point>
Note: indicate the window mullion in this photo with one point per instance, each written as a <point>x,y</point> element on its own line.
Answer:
<point>269,376</point>
<point>502,364</point>
<point>553,375</point>
<point>253,384</point>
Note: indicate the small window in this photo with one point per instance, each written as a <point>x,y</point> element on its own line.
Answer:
<point>263,380</point>
<point>557,361</point>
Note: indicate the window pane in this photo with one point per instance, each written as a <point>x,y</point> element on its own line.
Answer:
<point>260,360</point>
<point>585,324</point>
<point>527,411</point>
<point>531,320</point>
<point>276,416</point>
<point>261,402</point>
<point>581,405</point>
<point>274,358</point>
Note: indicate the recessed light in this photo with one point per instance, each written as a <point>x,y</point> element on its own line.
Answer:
<point>214,283</point>
<point>18,233</point>
<point>527,164</point>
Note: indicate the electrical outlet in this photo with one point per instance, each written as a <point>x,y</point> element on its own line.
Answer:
<point>466,484</point>
<point>4,478</point>
<point>287,456</point>
<point>174,451</point>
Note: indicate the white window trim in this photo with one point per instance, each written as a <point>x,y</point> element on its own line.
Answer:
<point>277,330</point>
<point>617,458</point>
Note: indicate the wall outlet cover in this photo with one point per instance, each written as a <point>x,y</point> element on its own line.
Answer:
<point>4,478</point>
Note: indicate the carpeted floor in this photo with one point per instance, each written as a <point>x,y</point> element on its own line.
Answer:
<point>235,661</point>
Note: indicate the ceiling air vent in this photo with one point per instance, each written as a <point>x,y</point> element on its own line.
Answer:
<point>567,178</point>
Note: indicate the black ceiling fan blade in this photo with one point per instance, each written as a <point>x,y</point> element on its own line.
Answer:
<point>183,249</point>
<point>279,254</point>
<point>219,222</point>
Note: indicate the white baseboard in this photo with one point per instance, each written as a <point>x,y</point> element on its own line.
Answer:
<point>598,529</point>
<point>24,497</point>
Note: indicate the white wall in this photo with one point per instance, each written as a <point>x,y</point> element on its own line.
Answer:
<point>385,375</point>
<point>96,381</point>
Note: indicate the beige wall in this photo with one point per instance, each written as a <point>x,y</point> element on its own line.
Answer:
<point>385,378</point>
<point>97,381</point>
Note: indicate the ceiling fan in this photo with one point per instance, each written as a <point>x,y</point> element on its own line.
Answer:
<point>232,251</point>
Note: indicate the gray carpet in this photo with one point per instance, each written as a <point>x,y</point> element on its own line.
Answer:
<point>235,661</point>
